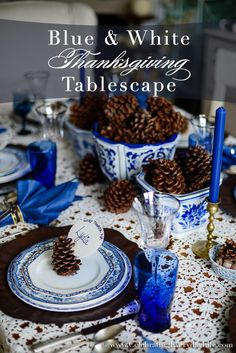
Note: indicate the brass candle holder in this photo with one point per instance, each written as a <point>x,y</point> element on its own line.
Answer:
<point>201,248</point>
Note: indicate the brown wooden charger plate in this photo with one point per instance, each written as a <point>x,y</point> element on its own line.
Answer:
<point>16,308</point>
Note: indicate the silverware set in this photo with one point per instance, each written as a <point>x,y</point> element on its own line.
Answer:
<point>103,338</point>
<point>103,341</point>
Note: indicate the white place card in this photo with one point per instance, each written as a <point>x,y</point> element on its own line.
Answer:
<point>87,235</point>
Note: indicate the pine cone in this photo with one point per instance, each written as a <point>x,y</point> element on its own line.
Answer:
<point>119,196</point>
<point>146,129</point>
<point>89,170</point>
<point>63,259</point>
<point>107,130</point>
<point>180,123</point>
<point>183,125</point>
<point>119,108</point>
<point>165,176</point>
<point>170,122</point>
<point>116,133</point>
<point>198,168</point>
<point>84,114</point>
<point>156,104</point>
<point>167,123</point>
<point>126,122</point>
<point>228,251</point>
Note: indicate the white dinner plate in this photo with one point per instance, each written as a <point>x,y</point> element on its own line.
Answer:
<point>13,164</point>
<point>102,277</point>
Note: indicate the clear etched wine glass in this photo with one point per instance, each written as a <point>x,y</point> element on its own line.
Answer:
<point>155,212</point>
<point>37,81</point>
<point>52,118</point>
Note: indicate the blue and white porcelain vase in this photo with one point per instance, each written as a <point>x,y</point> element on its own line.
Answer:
<point>192,213</point>
<point>82,140</point>
<point>119,160</point>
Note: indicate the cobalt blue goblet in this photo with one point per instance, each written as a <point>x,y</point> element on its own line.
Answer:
<point>22,106</point>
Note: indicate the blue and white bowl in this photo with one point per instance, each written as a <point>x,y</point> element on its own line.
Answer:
<point>82,140</point>
<point>192,213</point>
<point>119,160</point>
<point>220,271</point>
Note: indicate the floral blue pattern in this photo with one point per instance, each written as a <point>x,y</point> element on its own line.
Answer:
<point>192,215</point>
<point>124,161</point>
<point>111,280</point>
<point>82,140</point>
<point>135,160</point>
<point>107,160</point>
<point>193,207</point>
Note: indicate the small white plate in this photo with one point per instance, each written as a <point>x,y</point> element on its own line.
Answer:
<point>13,164</point>
<point>102,277</point>
<point>8,162</point>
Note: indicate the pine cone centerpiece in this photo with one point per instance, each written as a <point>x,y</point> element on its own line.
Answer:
<point>119,196</point>
<point>180,123</point>
<point>183,125</point>
<point>89,170</point>
<point>156,104</point>
<point>84,114</point>
<point>198,168</point>
<point>170,122</point>
<point>227,255</point>
<point>125,121</point>
<point>63,259</point>
<point>145,128</point>
<point>228,251</point>
<point>165,176</point>
<point>116,133</point>
<point>119,108</point>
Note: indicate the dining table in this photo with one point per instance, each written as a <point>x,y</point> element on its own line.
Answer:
<point>202,301</point>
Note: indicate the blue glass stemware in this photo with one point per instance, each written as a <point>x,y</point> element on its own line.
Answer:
<point>22,106</point>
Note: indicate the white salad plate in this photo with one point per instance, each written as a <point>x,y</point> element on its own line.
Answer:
<point>13,164</point>
<point>102,277</point>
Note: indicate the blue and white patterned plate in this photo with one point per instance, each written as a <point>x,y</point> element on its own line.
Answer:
<point>13,164</point>
<point>102,277</point>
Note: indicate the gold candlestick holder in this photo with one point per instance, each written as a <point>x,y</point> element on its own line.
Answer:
<point>201,248</point>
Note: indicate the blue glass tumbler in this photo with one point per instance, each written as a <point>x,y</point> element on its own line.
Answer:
<point>43,161</point>
<point>155,290</point>
<point>204,133</point>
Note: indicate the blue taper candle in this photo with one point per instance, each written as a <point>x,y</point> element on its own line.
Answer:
<point>217,154</point>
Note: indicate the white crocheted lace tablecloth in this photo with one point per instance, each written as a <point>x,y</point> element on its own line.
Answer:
<point>201,303</point>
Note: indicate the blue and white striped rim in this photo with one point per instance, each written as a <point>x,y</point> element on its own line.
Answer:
<point>113,283</point>
<point>21,169</point>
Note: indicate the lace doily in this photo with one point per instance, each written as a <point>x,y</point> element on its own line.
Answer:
<point>201,303</point>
